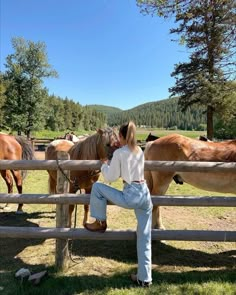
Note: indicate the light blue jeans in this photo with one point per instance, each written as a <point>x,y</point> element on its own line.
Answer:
<point>134,196</point>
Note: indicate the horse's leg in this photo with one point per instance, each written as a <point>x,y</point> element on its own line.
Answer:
<point>6,175</point>
<point>86,208</point>
<point>86,214</point>
<point>52,182</point>
<point>18,180</point>
<point>161,182</point>
<point>71,209</point>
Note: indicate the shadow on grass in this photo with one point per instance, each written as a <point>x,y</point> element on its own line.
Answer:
<point>14,219</point>
<point>124,251</point>
<point>90,284</point>
<point>11,247</point>
<point>162,254</point>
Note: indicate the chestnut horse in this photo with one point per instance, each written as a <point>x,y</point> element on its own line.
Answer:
<point>152,137</point>
<point>15,148</point>
<point>94,147</point>
<point>177,147</point>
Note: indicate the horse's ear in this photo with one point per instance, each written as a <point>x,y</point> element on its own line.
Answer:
<point>100,131</point>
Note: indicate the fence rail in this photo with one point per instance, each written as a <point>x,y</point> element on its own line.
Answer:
<point>179,166</point>
<point>82,234</point>
<point>84,199</point>
<point>41,143</point>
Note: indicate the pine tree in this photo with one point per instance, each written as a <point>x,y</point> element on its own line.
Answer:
<point>208,29</point>
<point>25,70</point>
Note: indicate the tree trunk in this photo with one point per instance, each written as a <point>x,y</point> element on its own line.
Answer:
<point>209,122</point>
<point>28,134</point>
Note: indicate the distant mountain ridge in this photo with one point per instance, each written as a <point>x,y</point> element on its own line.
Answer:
<point>161,114</point>
<point>104,109</point>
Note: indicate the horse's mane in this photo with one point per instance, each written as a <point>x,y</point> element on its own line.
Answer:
<point>230,151</point>
<point>231,141</point>
<point>85,149</point>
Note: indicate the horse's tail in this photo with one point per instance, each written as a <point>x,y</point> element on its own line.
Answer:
<point>27,151</point>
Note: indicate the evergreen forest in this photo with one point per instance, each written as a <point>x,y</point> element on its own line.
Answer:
<point>162,114</point>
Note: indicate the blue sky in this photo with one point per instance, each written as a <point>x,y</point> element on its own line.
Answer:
<point>105,51</point>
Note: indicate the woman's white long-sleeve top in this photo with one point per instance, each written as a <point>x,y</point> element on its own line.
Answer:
<point>125,164</point>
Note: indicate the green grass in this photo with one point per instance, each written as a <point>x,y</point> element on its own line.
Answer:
<point>103,267</point>
<point>143,133</point>
<point>54,134</point>
<point>166,283</point>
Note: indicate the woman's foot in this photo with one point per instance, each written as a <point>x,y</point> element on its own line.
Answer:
<point>135,279</point>
<point>97,225</point>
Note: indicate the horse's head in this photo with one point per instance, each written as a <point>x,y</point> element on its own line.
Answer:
<point>148,137</point>
<point>68,136</point>
<point>108,142</point>
<point>151,137</point>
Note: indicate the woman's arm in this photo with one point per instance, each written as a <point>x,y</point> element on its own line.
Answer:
<point>111,172</point>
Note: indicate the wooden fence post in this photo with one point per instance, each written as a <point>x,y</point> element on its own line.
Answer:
<point>33,145</point>
<point>62,215</point>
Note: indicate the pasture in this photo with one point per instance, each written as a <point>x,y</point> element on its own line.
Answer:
<point>142,133</point>
<point>103,267</point>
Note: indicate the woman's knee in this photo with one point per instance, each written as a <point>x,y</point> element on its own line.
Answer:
<point>97,188</point>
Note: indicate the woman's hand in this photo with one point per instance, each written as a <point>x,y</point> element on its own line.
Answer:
<point>104,161</point>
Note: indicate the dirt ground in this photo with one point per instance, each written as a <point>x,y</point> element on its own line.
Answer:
<point>39,155</point>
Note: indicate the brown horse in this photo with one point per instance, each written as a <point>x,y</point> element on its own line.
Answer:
<point>94,147</point>
<point>176,177</point>
<point>15,148</point>
<point>152,137</point>
<point>176,147</point>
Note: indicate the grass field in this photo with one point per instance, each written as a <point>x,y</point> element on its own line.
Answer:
<point>103,267</point>
<point>141,133</point>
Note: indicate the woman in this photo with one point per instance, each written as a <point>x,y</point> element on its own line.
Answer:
<point>127,163</point>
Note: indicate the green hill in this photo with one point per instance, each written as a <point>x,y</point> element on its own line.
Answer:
<point>104,109</point>
<point>159,114</point>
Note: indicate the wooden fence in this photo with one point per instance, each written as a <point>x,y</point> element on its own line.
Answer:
<point>62,233</point>
<point>40,143</point>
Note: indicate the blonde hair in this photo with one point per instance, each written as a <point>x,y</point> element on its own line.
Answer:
<point>128,131</point>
